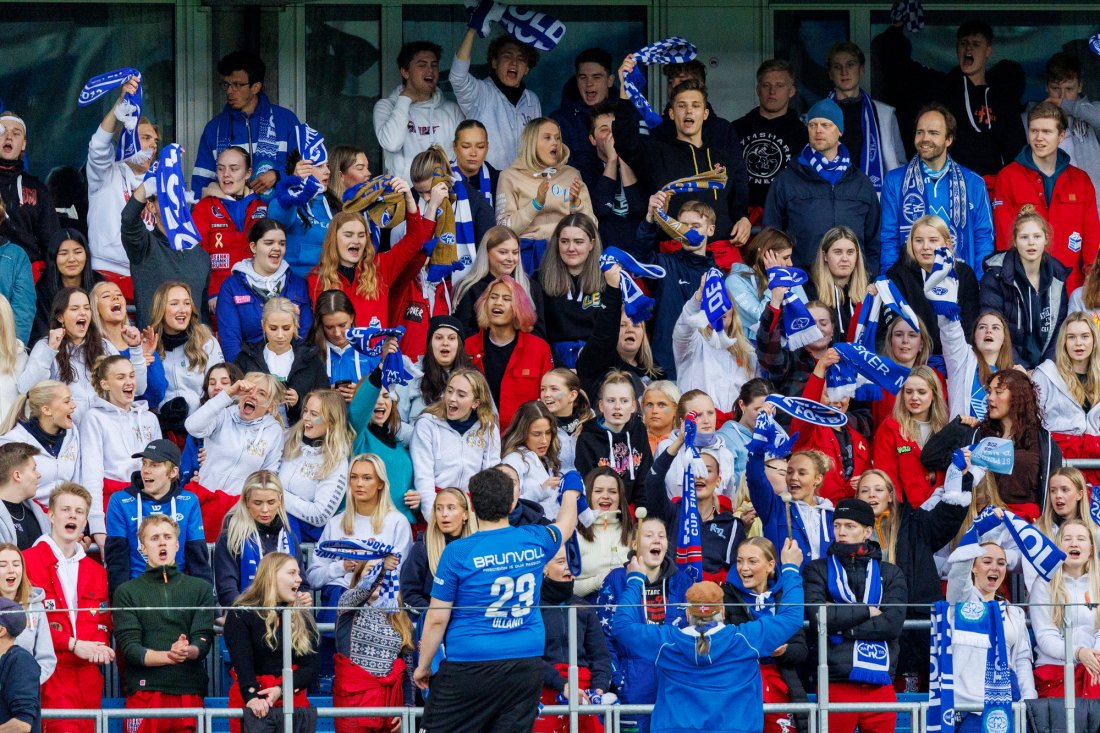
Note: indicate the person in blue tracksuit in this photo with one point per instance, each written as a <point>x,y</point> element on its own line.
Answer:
<point>707,674</point>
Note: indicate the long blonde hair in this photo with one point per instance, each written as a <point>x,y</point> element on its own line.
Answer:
<point>486,413</point>
<point>493,238</point>
<point>328,266</point>
<point>434,540</point>
<point>30,404</point>
<point>741,349</point>
<point>527,158</point>
<point>937,412</point>
<point>336,445</point>
<point>886,527</point>
<point>823,278</point>
<point>242,526</point>
<point>264,593</point>
<point>10,346</point>
<point>1090,390</point>
<point>381,509</point>
<point>198,334</point>
<point>1047,523</point>
<point>929,220</point>
<point>1058,595</point>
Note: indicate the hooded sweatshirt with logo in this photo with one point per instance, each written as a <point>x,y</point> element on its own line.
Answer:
<point>235,447</point>
<point>625,451</point>
<point>405,128</point>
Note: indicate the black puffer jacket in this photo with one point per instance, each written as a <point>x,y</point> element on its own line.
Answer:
<point>909,279</point>
<point>1034,317</point>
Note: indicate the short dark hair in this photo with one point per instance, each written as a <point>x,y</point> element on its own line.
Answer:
<point>847,47</point>
<point>491,494</point>
<point>245,61</point>
<point>606,107</point>
<point>594,55</point>
<point>13,456</point>
<point>412,48</point>
<point>948,118</point>
<point>694,67</point>
<point>1063,67</point>
<point>775,65</point>
<point>689,85</point>
<point>975,28</point>
<point>496,47</point>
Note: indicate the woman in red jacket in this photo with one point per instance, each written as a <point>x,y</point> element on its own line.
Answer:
<point>848,452</point>
<point>919,411</point>
<point>225,213</point>
<point>349,262</point>
<point>512,359</point>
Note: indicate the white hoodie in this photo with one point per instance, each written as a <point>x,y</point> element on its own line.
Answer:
<point>396,531</point>
<point>961,363</point>
<point>111,436</point>
<point>54,471</point>
<point>9,383</point>
<point>235,448</point>
<point>42,365</point>
<point>110,184</point>
<point>311,496</point>
<point>704,361</point>
<point>1050,645</point>
<point>480,99</point>
<point>442,458</point>
<point>186,382</point>
<point>532,481</point>
<point>405,128</point>
<point>1061,413</point>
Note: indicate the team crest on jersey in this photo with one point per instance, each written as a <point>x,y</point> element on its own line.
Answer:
<point>69,454</point>
<point>1074,242</point>
<point>312,471</point>
<point>259,213</point>
<point>475,439</point>
<point>591,300</point>
<point>55,626</point>
<point>216,212</point>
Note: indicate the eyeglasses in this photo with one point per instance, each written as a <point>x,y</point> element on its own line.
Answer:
<point>235,84</point>
<point>777,469</point>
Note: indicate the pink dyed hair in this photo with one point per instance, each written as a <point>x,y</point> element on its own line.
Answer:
<point>523,309</point>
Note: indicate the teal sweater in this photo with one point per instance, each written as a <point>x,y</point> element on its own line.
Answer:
<point>399,465</point>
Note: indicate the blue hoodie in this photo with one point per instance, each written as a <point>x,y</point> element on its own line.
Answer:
<point>305,230</point>
<point>721,691</point>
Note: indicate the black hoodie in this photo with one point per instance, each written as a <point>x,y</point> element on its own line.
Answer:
<point>49,283</point>
<point>31,220</point>
<point>626,451</point>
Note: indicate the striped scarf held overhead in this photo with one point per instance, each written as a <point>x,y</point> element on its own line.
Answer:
<point>711,180</point>
<point>673,50</point>
<point>376,199</point>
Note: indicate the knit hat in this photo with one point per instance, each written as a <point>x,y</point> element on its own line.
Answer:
<point>856,510</point>
<point>12,617</point>
<point>829,110</point>
<point>705,598</point>
<point>438,322</point>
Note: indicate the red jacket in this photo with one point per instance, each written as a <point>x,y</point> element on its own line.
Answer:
<point>221,238</point>
<point>900,459</point>
<point>523,376</point>
<point>91,592</point>
<point>883,407</point>
<point>817,437</point>
<point>405,256</point>
<point>1072,214</point>
<point>415,311</point>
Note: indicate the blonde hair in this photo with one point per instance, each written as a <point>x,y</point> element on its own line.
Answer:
<point>10,346</point>
<point>823,278</point>
<point>937,411</point>
<point>1058,594</point>
<point>486,413</point>
<point>886,528</point>
<point>381,509</point>
<point>338,437</point>
<point>434,540</point>
<point>31,403</point>
<point>985,489</point>
<point>527,158</point>
<point>264,593</point>
<point>741,349</point>
<point>1090,390</point>
<point>282,305</point>
<point>198,334</point>
<point>1047,523</point>
<point>929,220</point>
<point>493,238</point>
<point>242,526</point>
<point>275,390</point>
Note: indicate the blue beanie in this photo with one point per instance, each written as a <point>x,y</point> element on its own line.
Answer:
<point>829,110</point>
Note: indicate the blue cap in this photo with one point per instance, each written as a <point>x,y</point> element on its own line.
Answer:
<point>829,110</point>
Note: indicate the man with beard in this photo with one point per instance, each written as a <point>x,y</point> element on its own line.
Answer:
<point>933,183</point>
<point>31,220</point>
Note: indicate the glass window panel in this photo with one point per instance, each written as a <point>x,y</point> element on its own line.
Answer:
<point>803,37</point>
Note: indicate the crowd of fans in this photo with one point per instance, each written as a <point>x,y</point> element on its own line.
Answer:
<point>304,374</point>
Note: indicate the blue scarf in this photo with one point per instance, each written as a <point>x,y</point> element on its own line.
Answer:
<point>261,123</point>
<point>940,716</point>
<point>175,214</point>
<point>994,454</point>
<point>1094,44</point>
<point>880,370</point>
<point>914,204</point>
<point>485,184</point>
<point>760,604</point>
<point>982,625</point>
<point>100,84</point>
<point>942,286</point>
<point>369,340</point>
<point>311,145</point>
<point>366,550</point>
<point>769,438</point>
<point>808,410</point>
<point>872,148</point>
<point>293,191</point>
<point>865,332</point>
<point>1094,503</point>
<point>637,305</point>
<point>673,50</point>
<point>716,300</point>
<point>1039,550</point>
<point>253,552</point>
<point>786,277</point>
<point>830,170</point>
<point>870,659</point>
<point>572,481</point>
<point>910,13</point>
<point>465,238</point>
<point>689,536</point>
<point>526,26</point>
<point>799,327</point>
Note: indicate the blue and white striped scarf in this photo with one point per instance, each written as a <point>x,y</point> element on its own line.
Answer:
<point>871,160</point>
<point>910,13</point>
<point>465,238</point>
<point>366,550</point>
<point>914,206</point>
<point>940,716</point>
<point>485,183</point>
<point>870,659</point>
<point>526,26</point>
<point>673,50</point>
<point>175,214</point>
<point>830,170</point>
<point>129,145</point>
<point>369,340</point>
<point>636,304</point>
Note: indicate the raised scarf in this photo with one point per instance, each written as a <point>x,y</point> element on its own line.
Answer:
<point>712,180</point>
<point>673,50</point>
<point>383,207</point>
<point>871,159</point>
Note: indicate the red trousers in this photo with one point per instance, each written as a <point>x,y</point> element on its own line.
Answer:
<point>214,506</point>
<point>776,691</point>
<point>867,722</point>
<point>560,723</point>
<point>151,699</point>
<point>236,700</point>
<point>110,487</point>
<point>354,687</point>
<point>74,685</point>
<point>1050,682</point>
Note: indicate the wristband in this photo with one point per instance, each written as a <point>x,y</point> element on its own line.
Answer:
<point>536,204</point>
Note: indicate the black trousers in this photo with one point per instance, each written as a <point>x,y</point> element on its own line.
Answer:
<point>491,697</point>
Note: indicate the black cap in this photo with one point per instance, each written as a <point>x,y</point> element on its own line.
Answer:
<point>160,451</point>
<point>856,510</point>
<point>13,617</point>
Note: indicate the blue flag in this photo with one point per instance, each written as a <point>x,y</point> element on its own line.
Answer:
<point>311,145</point>
<point>716,301</point>
<point>881,370</point>
<point>526,26</point>
<point>175,214</point>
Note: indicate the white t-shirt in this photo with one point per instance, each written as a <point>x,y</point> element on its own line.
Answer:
<point>279,364</point>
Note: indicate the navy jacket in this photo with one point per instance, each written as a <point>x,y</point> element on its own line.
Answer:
<point>1034,318</point>
<point>591,645</point>
<point>805,206</point>
<point>240,308</point>
<point>20,696</point>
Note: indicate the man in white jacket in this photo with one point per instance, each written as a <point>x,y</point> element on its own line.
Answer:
<point>415,116</point>
<point>502,102</point>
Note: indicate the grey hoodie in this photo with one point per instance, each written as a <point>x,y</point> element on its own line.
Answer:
<point>36,637</point>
